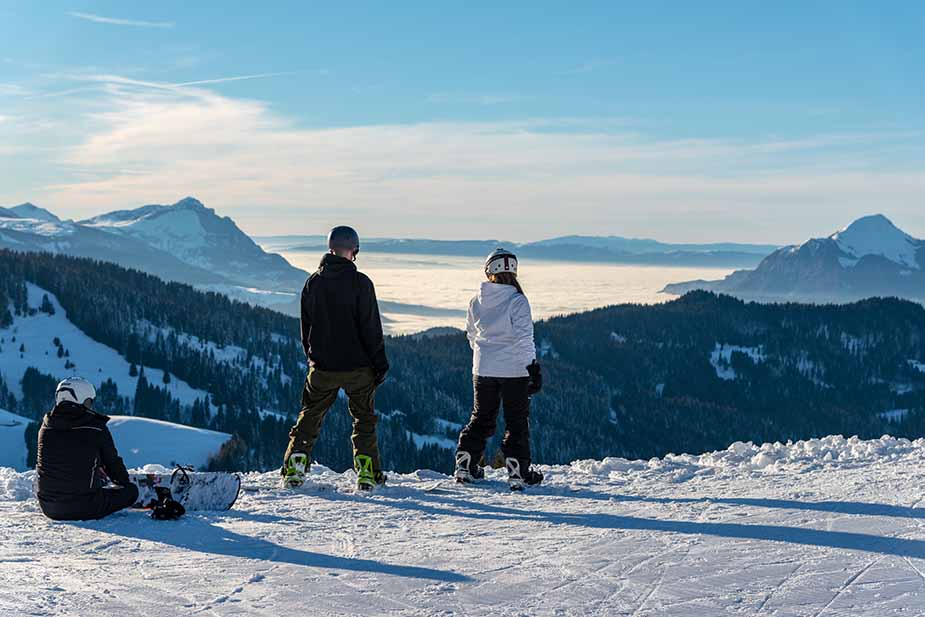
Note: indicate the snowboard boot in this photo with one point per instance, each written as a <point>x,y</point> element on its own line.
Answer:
<point>367,479</point>
<point>520,475</point>
<point>294,472</point>
<point>467,472</point>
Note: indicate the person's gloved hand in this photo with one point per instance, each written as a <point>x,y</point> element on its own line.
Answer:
<point>380,377</point>
<point>536,378</point>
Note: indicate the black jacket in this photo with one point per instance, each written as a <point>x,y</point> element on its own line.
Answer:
<point>74,446</point>
<point>341,326</point>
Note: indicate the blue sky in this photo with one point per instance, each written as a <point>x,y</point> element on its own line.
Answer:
<point>683,121</point>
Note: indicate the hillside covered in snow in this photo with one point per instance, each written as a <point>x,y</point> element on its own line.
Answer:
<point>815,528</point>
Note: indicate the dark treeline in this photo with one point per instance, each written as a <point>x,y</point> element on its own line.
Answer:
<point>629,380</point>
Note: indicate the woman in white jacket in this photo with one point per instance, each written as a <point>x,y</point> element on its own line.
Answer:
<point>505,372</point>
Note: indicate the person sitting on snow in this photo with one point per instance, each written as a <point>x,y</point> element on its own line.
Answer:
<point>76,454</point>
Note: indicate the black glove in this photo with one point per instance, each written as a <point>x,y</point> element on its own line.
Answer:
<point>380,377</point>
<point>166,509</point>
<point>536,378</point>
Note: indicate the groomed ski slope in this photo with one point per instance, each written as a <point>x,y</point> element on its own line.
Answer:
<point>817,528</point>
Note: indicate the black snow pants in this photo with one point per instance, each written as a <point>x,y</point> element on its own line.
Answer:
<point>98,504</point>
<point>490,394</point>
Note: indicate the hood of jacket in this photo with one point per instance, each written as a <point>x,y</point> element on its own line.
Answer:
<point>68,415</point>
<point>494,294</point>
<point>334,266</point>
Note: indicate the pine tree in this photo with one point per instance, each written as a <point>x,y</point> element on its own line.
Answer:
<point>47,306</point>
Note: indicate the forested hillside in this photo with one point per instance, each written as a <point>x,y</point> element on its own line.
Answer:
<point>690,375</point>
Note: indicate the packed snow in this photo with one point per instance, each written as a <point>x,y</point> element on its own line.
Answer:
<point>919,366</point>
<point>13,440</point>
<point>822,527</point>
<point>143,441</point>
<point>92,360</point>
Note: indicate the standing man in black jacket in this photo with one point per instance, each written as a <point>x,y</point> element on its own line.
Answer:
<point>75,455</point>
<point>343,341</point>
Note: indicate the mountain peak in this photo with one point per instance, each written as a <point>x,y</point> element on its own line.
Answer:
<point>190,203</point>
<point>31,211</point>
<point>873,223</point>
<point>877,235</point>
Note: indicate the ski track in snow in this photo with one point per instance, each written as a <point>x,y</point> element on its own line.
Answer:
<point>830,528</point>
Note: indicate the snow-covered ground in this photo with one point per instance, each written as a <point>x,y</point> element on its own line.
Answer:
<point>143,441</point>
<point>818,529</point>
<point>721,356</point>
<point>93,361</point>
<point>12,440</point>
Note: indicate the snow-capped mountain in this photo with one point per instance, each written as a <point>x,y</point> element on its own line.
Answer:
<point>184,242</point>
<point>31,211</point>
<point>870,257</point>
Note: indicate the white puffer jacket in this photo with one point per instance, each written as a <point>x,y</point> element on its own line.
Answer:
<point>500,330</point>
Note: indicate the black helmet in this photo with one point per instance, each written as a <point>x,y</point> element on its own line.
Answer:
<point>345,238</point>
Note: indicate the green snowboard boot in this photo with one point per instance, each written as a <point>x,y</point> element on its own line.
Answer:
<point>294,473</point>
<point>367,479</point>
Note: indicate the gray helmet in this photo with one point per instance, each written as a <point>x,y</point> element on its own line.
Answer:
<point>343,237</point>
<point>499,261</point>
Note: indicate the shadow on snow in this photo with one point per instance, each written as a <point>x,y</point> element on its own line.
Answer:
<point>195,533</point>
<point>773,533</point>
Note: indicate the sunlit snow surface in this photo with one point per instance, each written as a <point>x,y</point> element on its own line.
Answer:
<point>143,441</point>
<point>12,440</point>
<point>819,528</point>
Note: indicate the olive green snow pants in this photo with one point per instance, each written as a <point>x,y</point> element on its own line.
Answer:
<point>321,388</point>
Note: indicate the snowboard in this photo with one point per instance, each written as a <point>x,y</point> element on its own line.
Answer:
<point>194,489</point>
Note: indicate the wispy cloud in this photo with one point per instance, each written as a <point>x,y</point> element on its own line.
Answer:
<point>221,80</point>
<point>100,19</point>
<point>143,139</point>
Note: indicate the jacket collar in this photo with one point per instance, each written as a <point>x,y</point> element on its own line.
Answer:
<point>68,414</point>
<point>333,265</point>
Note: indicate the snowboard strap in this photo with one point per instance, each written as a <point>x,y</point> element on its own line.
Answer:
<point>185,479</point>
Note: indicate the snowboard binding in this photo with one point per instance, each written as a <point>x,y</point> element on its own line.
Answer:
<point>367,479</point>
<point>466,472</point>
<point>294,472</point>
<point>166,508</point>
<point>518,477</point>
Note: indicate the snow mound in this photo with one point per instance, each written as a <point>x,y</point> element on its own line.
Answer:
<point>143,441</point>
<point>15,486</point>
<point>834,451</point>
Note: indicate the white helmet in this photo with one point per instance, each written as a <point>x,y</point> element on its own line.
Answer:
<point>499,261</point>
<point>76,390</point>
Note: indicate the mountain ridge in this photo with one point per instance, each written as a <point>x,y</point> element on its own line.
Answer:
<point>185,242</point>
<point>869,257</point>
